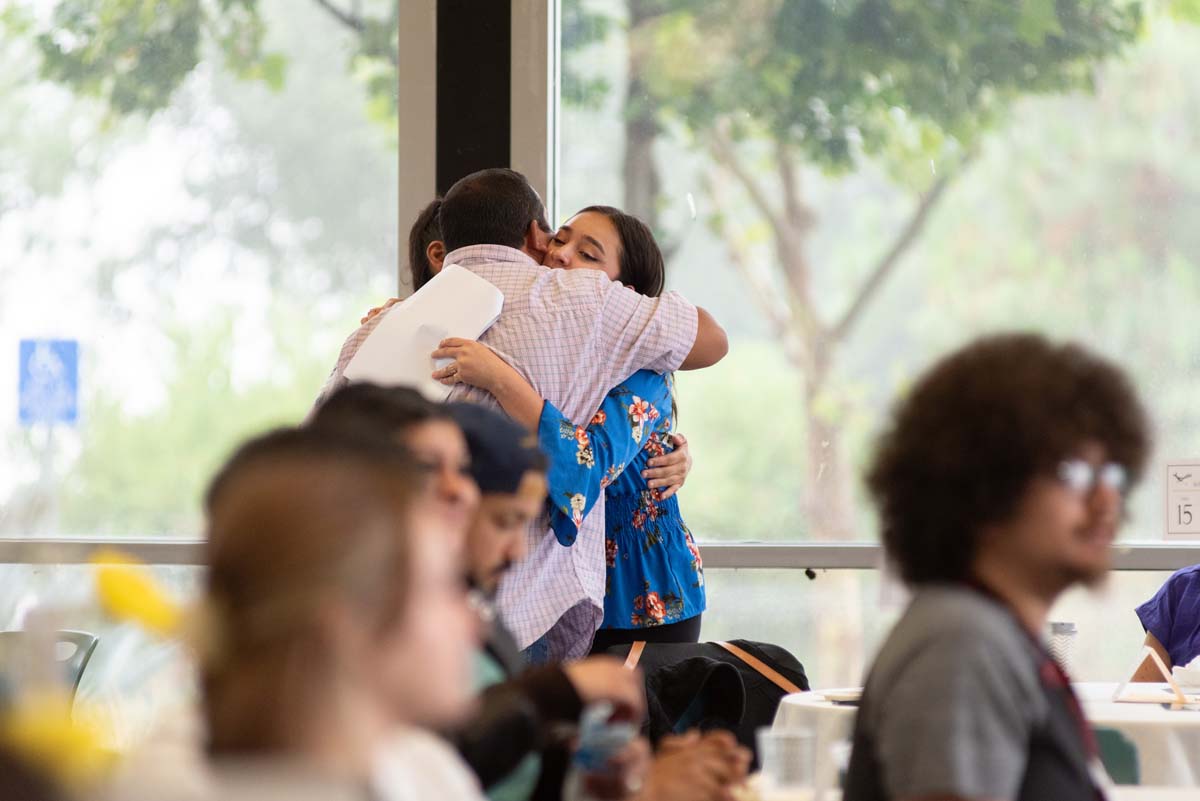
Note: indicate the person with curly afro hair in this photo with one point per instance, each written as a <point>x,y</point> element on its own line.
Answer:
<point>1000,483</point>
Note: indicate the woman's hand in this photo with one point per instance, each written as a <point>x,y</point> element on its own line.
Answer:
<point>379,310</point>
<point>668,473</point>
<point>477,365</point>
<point>474,363</point>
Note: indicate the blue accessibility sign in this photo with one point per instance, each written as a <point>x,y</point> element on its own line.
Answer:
<point>49,381</point>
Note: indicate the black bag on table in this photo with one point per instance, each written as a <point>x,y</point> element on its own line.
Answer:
<point>735,685</point>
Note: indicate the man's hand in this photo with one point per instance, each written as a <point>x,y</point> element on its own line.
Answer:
<point>696,767</point>
<point>667,473</point>
<point>605,678</point>
<point>693,767</point>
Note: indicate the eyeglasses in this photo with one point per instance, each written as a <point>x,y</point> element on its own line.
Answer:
<point>1081,476</point>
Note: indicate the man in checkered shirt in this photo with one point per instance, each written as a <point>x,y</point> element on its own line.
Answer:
<point>573,334</point>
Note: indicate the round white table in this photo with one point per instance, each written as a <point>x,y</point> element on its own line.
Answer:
<point>1153,794</point>
<point>1167,741</point>
<point>830,724</point>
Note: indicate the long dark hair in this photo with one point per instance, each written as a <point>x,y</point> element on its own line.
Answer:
<point>427,229</point>
<point>642,266</point>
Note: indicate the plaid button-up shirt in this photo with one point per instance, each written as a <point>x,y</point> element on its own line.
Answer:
<point>573,335</point>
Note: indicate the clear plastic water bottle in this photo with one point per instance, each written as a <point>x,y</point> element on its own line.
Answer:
<point>1062,643</point>
<point>599,741</point>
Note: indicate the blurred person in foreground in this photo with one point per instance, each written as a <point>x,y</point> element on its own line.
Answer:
<point>340,624</point>
<point>423,437</point>
<point>402,417</point>
<point>523,711</point>
<point>1000,484</point>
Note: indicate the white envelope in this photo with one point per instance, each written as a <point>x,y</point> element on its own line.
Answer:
<point>455,303</point>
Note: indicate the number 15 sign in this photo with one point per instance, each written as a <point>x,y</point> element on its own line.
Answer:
<point>1183,500</point>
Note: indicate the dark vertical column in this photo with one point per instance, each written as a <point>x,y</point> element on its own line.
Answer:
<point>474,70</point>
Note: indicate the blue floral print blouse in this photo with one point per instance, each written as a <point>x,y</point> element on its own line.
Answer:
<point>655,575</point>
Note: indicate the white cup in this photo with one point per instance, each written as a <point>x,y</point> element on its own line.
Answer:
<point>1062,642</point>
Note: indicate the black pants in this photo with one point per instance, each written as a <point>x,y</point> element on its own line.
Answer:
<point>683,631</point>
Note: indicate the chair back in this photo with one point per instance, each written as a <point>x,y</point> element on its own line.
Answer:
<point>72,652</point>
<point>1119,755</point>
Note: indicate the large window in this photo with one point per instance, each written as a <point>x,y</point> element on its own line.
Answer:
<point>202,197</point>
<point>197,200</point>
<point>855,188</point>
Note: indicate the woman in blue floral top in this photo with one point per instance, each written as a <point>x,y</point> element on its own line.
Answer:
<point>655,588</point>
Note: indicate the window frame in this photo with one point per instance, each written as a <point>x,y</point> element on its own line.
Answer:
<point>734,555</point>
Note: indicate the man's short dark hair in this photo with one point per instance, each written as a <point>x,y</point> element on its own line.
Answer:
<point>424,232</point>
<point>977,429</point>
<point>490,207</point>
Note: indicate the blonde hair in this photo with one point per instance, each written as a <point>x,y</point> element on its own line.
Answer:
<point>297,520</point>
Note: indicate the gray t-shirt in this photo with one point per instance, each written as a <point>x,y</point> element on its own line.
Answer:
<point>954,705</point>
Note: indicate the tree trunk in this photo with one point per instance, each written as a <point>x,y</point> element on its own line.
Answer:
<point>826,495</point>
<point>642,182</point>
<point>809,345</point>
<point>827,482</point>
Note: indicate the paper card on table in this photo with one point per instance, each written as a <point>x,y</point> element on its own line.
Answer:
<point>455,303</point>
<point>1177,697</point>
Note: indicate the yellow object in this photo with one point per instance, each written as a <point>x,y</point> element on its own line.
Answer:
<point>39,728</point>
<point>127,591</point>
